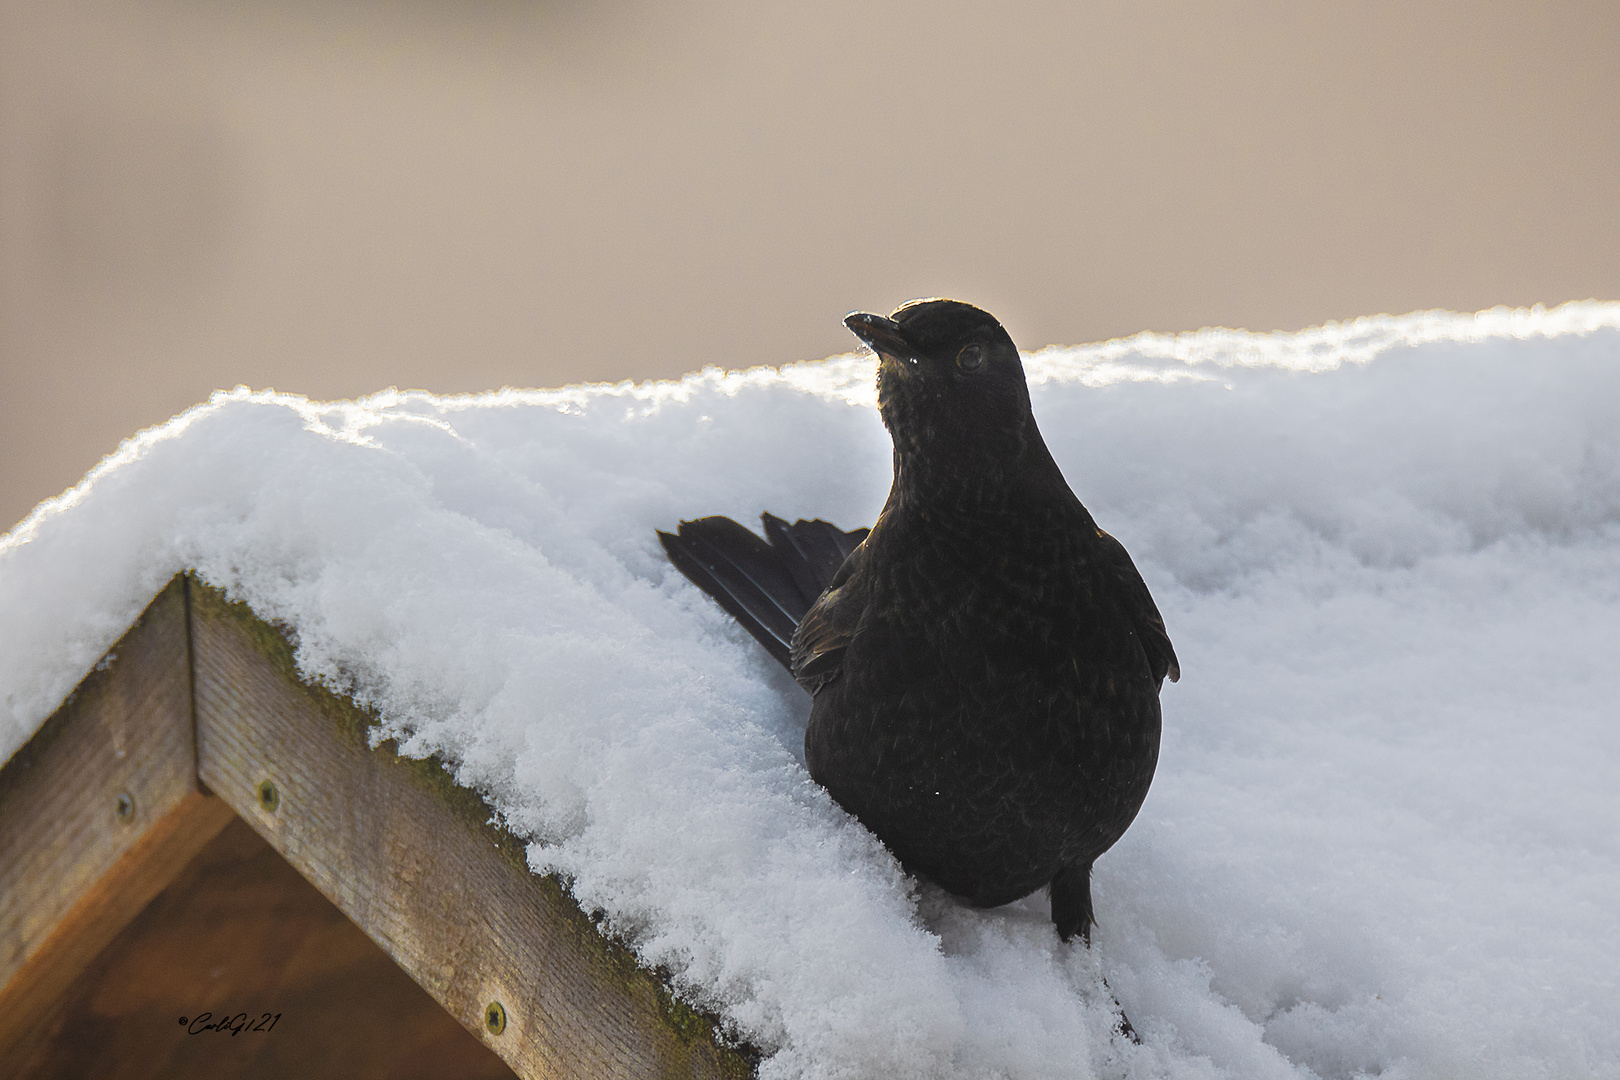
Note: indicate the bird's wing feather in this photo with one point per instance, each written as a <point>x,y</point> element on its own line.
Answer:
<point>766,585</point>
<point>812,551</point>
<point>826,630</point>
<point>1144,613</point>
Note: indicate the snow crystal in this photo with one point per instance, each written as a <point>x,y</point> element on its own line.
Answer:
<point>1385,834</point>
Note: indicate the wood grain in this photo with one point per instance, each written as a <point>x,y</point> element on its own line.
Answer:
<point>413,860</point>
<point>98,812</point>
<point>240,934</point>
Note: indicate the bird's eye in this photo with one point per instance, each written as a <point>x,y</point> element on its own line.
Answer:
<point>971,358</point>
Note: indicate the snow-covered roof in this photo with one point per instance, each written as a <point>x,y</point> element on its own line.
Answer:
<point>1384,836</point>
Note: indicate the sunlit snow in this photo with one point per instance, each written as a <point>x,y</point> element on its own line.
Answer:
<point>1384,838</point>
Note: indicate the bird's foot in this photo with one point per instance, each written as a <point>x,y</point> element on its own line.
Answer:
<point>1071,903</point>
<point>1124,1026</point>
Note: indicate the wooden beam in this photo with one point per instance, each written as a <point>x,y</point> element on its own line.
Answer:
<point>98,812</point>
<point>414,861</point>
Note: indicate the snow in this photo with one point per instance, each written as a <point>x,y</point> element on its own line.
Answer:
<point>1384,838</point>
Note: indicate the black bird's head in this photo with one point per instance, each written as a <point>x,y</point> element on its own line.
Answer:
<point>950,384</point>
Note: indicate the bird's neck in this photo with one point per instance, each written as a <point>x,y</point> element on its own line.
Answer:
<point>965,485</point>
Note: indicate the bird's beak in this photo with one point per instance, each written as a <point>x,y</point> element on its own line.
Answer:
<point>882,335</point>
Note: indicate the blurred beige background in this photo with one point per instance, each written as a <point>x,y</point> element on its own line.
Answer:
<point>335,197</point>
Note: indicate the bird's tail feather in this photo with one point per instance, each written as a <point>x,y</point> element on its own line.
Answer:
<point>768,584</point>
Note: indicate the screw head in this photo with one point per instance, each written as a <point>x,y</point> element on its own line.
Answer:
<point>124,807</point>
<point>269,797</point>
<point>495,1017</point>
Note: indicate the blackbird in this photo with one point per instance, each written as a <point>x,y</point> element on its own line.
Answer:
<point>985,662</point>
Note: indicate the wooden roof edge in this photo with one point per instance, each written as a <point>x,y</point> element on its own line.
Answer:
<point>198,715</point>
